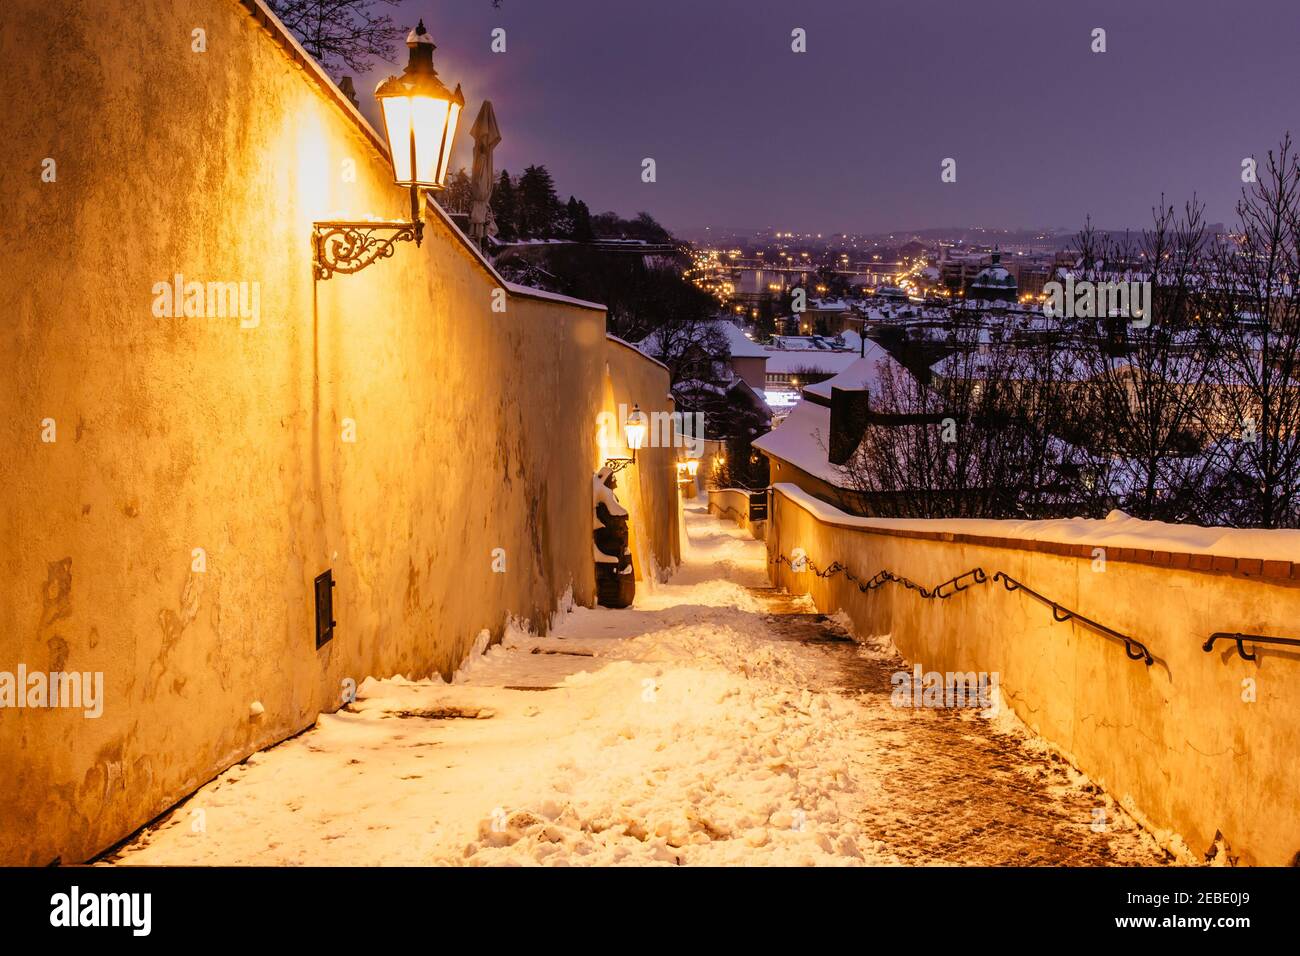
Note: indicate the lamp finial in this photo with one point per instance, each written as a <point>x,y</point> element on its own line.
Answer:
<point>420,36</point>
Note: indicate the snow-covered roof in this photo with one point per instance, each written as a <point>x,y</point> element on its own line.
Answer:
<point>805,342</point>
<point>803,436</point>
<point>802,439</point>
<point>759,398</point>
<point>1066,365</point>
<point>738,343</point>
<point>994,276</point>
<point>741,345</point>
<point>783,361</point>
<point>1071,365</point>
<point>865,372</point>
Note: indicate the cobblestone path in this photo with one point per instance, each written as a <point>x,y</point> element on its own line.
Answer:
<point>959,790</point>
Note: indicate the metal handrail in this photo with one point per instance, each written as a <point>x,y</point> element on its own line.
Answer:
<point>731,512</point>
<point>1134,648</point>
<point>885,576</point>
<point>1253,638</point>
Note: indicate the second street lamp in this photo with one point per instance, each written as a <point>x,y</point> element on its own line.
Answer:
<point>420,117</point>
<point>635,429</point>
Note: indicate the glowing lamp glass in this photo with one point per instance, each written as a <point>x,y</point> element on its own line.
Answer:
<point>420,132</point>
<point>420,118</point>
<point>636,429</point>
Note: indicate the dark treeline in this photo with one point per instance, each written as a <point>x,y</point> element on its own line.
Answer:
<point>527,206</point>
<point>643,293</point>
<point>1192,416</point>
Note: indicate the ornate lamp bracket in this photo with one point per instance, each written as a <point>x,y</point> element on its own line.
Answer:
<point>615,465</point>
<point>349,247</point>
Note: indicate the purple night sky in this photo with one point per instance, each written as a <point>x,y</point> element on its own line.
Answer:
<point>849,136</point>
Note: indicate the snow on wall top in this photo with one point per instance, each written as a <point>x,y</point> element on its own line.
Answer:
<point>645,355</point>
<point>1116,530</point>
<point>526,290</point>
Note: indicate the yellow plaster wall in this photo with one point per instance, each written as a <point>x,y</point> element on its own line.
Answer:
<point>648,488</point>
<point>473,428</point>
<point>1178,741</point>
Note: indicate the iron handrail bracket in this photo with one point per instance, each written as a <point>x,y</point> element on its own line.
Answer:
<point>1134,648</point>
<point>1253,638</point>
<point>976,575</point>
<point>885,576</point>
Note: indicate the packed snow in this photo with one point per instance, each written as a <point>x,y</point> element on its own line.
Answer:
<point>683,730</point>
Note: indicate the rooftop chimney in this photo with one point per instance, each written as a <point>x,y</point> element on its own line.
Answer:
<point>849,408</point>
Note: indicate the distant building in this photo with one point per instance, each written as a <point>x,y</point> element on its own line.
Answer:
<point>827,315</point>
<point>747,359</point>
<point>956,272</point>
<point>1031,277</point>
<point>994,283</point>
<point>792,359</point>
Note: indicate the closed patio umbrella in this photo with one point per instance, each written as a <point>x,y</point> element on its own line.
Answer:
<point>486,136</point>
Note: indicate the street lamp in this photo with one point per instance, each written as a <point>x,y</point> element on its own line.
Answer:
<point>635,429</point>
<point>420,117</point>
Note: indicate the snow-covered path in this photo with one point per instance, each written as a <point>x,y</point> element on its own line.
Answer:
<point>715,722</point>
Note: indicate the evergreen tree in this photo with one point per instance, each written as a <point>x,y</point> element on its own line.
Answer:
<point>505,207</point>
<point>579,217</point>
<point>538,206</point>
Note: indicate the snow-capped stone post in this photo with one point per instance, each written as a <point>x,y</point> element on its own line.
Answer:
<point>615,580</point>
